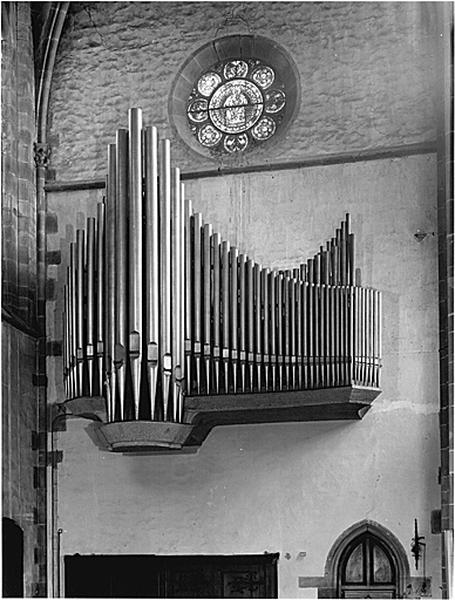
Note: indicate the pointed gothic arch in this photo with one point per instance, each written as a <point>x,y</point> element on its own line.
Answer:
<point>368,534</point>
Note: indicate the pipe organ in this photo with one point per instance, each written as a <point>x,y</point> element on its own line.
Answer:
<point>160,311</point>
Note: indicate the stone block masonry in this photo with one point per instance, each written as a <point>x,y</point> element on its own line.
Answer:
<point>366,72</point>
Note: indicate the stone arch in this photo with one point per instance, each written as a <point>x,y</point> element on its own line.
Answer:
<point>392,543</point>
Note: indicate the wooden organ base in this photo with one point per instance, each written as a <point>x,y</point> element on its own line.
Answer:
<point>203,413</point>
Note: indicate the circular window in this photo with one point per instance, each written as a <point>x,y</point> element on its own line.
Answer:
<point>236,105</point>
<point>234,95</point>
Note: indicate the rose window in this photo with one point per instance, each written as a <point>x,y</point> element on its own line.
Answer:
<point>236,105</point>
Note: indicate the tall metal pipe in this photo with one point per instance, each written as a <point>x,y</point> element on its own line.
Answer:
<point>65,342</point>
<point>316,268</point>
<point>242,319</point>
<point>356,333</point>
<point>110,296</point>
<point>362,335</point>
<point>322,334</point>
<point>176,300</point>
<point>135,251</point>
<point>279,328</point>
<point>151,261</point>
<point>225,352</point>
<point>292,332</point>
<point>286,330</point>
<point>182,234</point>
<point>216,300</point>
<point>91,308</point>
<point>80,353</point>
<point>304,335</point>
<point>273,334</point>
<point>259,309</point>
<point>188,295</point>
<point>197,292</point>
<point>317,336</point>
<point>370,311</point>
<point>250,321</point>
<point>351,339</point>
<point>343,249</point>
<point>298,336</point>
<point>71,321</point>
<point>234,306</point>
<point>100,288</point>
<point>310,325</point>
<point>207,308</point>
<point>265,275</point>
<point>122,269</point>
<point>165,341</point>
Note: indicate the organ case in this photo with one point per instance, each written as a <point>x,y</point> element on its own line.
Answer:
<point>170,330</point>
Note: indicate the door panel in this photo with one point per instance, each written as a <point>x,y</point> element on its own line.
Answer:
<point>147,576</point>
<point>367,570</point>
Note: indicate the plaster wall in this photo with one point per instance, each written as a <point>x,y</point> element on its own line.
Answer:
<point>286,488</point>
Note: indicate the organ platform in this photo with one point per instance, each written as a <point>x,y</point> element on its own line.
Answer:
<point>170,331</point>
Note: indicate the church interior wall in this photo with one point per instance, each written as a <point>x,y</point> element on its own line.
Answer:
<point>292,499</point>
<point>22,475</point>
<point>366,73</point>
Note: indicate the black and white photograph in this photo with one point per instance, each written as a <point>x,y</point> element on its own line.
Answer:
<point>227,299</point>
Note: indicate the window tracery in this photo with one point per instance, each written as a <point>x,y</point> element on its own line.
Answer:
<point>234,95</point>
<point>236,105</point>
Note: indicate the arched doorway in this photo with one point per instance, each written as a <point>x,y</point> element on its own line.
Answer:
<point>367,561</point>
<point>367,570</point>
<point>12,559</point>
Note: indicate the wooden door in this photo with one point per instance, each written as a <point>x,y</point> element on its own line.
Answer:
<point>367,570</point>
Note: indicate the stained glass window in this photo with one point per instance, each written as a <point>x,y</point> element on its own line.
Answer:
<point>354,567</point>
<point>236,105</point>
<point>382,569</point>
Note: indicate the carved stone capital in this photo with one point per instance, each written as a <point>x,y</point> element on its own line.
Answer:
<point>41,154</point>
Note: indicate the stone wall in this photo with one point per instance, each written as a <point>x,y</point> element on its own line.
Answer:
<point>366,70</point>
<point>18,184</point>
<point>23,476</point>
<point>23,479</point>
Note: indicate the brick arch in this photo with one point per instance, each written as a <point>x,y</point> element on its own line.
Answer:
<point>392,543</point>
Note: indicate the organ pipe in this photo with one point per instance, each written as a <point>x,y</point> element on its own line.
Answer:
<point>111,296</point>
<point>215,301</point>
<point>90,347</point>
<point>207,306</point>
<point>100,287</point>
<point>153,292</point>
<point>135,253</point>
<point>80,243</point>
<point>234,306</point>
<point>152,258</point>
<point>122,270</point>
<point>165,273</point>
<point>225,247</point>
